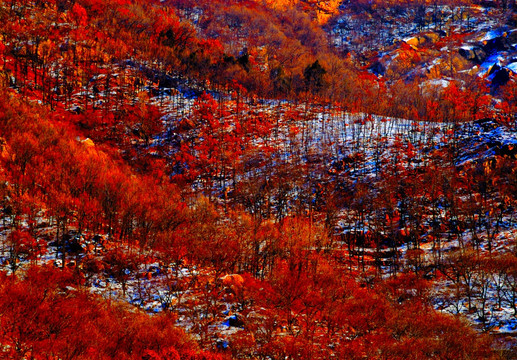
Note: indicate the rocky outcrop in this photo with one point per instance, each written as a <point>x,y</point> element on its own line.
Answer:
<point>490,43</point>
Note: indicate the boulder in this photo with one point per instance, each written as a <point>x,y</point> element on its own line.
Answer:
<point>412,41</point>
<point>235,321</point>
<point>467,52</point>
<point>432,37</point>
<point>233,281</point>
<point>415,41</point>
<point>473,53</point>
<point>377,68</point>
<point>480,54</point>
<point>495,45</point>
<point>493,69</point>
<point>500,77</point>
<point>88,143</point>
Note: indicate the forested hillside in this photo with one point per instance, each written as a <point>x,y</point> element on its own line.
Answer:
<point>258,179</point>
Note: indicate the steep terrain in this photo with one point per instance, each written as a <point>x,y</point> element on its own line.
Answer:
<point>250,179</point>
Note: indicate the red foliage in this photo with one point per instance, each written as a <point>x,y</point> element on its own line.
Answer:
<point>79,15</point>
<point>45,314</point>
